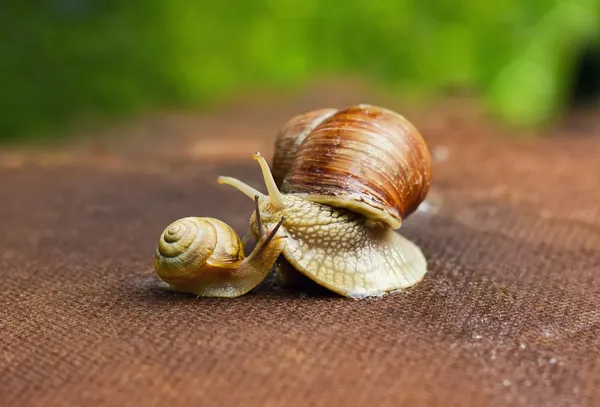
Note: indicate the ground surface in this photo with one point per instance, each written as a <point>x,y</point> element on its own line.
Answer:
<point>507,315</point>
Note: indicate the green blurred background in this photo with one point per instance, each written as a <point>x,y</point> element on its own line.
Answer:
<point>63,60</point>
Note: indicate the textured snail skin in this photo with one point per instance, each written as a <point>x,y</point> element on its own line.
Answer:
<point>364,158</point>
<point>339,249</point>
<point>204,256</point>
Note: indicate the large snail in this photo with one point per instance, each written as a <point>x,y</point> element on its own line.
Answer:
<point>343,181</point>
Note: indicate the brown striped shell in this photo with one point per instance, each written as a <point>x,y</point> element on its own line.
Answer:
<point>291,136</point>
<point>364,158</point>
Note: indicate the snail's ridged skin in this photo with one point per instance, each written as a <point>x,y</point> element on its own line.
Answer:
<point>342,251</point>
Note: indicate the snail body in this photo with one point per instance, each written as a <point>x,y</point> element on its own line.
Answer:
<point>205,257</point>
<point>343,181</point>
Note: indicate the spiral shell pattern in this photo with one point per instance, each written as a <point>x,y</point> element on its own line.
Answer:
<point>189,246</point>
<point>364,158</point>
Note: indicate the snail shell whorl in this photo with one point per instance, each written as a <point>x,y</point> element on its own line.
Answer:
<point>188,246</point>
<point>365,158</point>
<point>291,136</point>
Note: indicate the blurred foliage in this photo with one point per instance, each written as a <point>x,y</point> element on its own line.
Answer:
<point>61,59</point>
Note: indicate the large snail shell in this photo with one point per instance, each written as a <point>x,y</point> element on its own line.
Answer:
<point>291,136</point>
<point>189,246</point>
<point>364,158</point>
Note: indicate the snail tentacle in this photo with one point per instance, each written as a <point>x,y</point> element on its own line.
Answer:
<point>258,220</point>
<point>274,193</point>
<point>240,186</point>
<point>275,197</point>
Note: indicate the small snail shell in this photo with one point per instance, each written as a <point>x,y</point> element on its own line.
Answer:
<point>192,243</point>
<point>205,256</point>
<point>348,179</point>
<point>364,158</point>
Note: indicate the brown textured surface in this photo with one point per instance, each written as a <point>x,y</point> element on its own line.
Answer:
<point>508,314</point>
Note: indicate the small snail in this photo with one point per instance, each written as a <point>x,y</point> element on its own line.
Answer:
<point>204,256</point>
<point>343,181</point>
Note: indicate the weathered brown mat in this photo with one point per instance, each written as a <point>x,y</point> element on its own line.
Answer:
<point>509,313</point>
